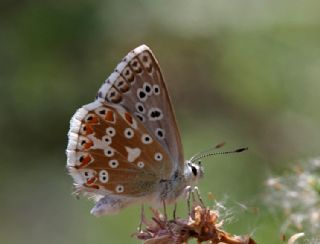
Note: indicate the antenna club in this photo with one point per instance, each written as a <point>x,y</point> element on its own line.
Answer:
<point>241,149</point>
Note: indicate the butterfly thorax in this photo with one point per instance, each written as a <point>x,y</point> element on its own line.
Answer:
<point>177,185</point>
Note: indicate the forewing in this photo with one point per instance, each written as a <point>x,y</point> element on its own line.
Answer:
<point>138,86</point>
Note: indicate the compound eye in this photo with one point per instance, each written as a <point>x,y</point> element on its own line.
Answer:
<point>194,170</point>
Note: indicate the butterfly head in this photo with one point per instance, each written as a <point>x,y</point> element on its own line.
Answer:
<point>194,170</point>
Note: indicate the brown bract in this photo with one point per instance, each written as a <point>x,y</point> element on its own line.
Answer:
<point>202,224</point>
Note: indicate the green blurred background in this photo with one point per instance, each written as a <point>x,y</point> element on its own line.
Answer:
<point>243,72</point>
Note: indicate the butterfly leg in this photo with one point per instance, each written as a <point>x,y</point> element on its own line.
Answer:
<point>141,217</point>
<point>169,227</point>
<point>174,211</point>
<point>197,192</point>
<point>165,209</point>
<point>194,193</point>
<point>187,195</point>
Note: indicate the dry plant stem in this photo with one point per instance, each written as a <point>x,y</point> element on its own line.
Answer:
<point>201,225</point>
<point>295,237</point>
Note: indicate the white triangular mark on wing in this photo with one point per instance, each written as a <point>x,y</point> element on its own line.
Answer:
<point>133,153</point>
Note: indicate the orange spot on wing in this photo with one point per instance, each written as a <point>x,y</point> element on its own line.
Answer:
<point>94,119</point>
<point>109,116</point>
<point>91,181</point>
<point>95,187</point>
<point>92,186</point>
<point>84,162</point>
<point>86,159</point>
<point>88,129</point>
<point>128,118</point>
<point>88,145</point>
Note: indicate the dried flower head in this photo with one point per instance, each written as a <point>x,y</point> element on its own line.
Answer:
<point>202,224</point>
<point>297,194</point>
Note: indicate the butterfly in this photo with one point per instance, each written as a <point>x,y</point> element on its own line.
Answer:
<point>125,147</point>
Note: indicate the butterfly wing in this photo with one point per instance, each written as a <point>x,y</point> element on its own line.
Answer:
<point>138,85</point>
<point>109,152</point>
<point>127,140</point>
